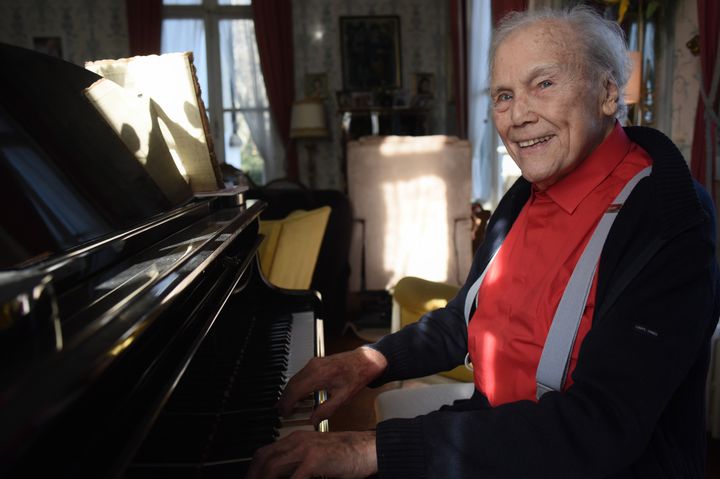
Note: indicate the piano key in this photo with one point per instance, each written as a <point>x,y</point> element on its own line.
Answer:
<point>229,393</point>
<point>302,342</point>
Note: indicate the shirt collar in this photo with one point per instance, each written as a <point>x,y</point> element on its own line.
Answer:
<point>569,192</point>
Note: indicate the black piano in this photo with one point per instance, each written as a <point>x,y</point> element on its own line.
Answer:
<point>138,337</point>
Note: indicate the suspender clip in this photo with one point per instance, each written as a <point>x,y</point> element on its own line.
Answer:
<point>542,389</point>
<point>468,363</point>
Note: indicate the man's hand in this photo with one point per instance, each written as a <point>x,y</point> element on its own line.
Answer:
<point>341,375</point>
<point>305,454</point>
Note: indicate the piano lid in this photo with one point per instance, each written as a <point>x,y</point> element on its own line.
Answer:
<point>66,178</point>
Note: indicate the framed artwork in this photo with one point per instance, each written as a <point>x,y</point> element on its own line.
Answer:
<point>344,100</point>
<point>48,45</point>
<point>423,90</point>
<point>316,85</point>
<point>370,51</point>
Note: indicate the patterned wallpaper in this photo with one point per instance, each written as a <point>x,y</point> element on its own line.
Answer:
<point>88,29</point>
<point>424,36</point>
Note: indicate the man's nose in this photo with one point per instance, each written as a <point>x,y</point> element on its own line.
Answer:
<point>522,110</point>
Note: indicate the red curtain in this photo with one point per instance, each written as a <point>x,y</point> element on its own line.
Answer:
<point>273,30</point>
<point>708,19</point>
<point>144,19</point>
<point>458,29</point>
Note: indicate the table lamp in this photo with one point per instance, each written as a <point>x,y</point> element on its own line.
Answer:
<point>308,123</point>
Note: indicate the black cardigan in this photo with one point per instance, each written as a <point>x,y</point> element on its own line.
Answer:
<point>636,408</point>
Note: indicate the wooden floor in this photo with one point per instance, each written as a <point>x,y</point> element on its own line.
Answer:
<point>358,414</point>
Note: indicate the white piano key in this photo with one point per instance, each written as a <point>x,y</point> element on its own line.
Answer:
<point>302,342</point>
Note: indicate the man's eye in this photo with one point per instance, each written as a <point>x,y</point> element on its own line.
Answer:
<point>545,83</point>
<point>504,97</point>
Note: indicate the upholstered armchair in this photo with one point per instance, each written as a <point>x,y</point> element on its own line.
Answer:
<point>291,246</point>
<point>411,198</point>
<point>413,297</point>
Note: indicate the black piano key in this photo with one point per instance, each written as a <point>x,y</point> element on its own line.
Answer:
<point>223,408</point>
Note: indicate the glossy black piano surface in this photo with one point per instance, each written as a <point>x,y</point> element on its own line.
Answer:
<point>137,334</point>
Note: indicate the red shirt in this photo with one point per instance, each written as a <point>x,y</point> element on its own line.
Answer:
<point>523,287</point>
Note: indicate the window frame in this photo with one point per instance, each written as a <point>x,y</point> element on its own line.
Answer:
<point>211,14</point>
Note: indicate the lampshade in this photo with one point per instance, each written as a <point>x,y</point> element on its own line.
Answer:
<point>308,119</point>
<point>632,89</point>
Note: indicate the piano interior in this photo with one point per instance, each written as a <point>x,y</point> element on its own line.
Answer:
<point>138,335</point>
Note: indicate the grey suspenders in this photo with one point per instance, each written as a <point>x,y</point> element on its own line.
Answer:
<point>553,366</point>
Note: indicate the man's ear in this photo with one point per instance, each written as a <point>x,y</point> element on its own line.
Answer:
<point>610,97</point>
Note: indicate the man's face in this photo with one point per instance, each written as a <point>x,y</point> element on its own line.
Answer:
<point>548,113</point>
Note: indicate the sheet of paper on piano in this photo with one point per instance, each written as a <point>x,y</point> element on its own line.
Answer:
<point>133,119</point>
<point>169,85</point>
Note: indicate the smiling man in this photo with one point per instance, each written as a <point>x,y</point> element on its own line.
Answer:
<point>550,109</point>
<point>589,308</point>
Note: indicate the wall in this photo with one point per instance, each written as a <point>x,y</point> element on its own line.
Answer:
<point>686,77</point>
<point>89,29</point>
<point>424,38</point>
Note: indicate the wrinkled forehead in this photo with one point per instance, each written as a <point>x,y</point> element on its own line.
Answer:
<point>546,41</point>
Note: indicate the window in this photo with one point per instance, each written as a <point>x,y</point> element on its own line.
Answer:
<point>221,35</point>
<point>494,171</point>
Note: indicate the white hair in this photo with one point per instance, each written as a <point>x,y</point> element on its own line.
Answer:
<point>601,43</point>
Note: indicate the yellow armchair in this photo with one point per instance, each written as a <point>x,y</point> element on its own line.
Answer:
<point>291,246</point>
<point>413,297</point>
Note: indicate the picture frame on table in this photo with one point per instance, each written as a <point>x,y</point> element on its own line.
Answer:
<point>362,99</point>
<point>423,90</point>
<point>49,45</point>
<point>343,100</point>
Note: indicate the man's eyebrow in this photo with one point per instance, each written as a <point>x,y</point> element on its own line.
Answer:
<point>495,90</point>
<point>540,70</point>
<point>543,70</point>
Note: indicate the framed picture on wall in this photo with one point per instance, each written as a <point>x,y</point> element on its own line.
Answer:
<point>316,85</point>
<point>370,51</point>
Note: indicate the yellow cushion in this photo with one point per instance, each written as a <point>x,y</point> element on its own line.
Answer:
<point>417,296</point>
<point>291,246</point>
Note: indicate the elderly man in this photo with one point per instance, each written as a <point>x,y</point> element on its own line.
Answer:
<point>630,401</point>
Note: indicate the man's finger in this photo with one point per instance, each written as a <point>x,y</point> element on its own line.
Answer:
<point>267,456</point>
<point>307,380</point>
<point>305,470</point>
<point>290,399</point>
<point>281,467</point>
<point>325,410</point>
